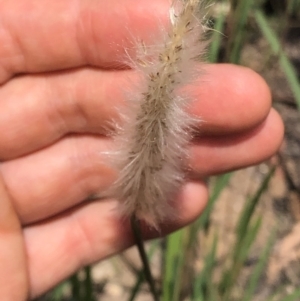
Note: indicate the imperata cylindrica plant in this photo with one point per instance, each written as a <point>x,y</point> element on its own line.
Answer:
<point>156,127</point>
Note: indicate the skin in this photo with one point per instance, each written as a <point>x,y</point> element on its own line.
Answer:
<point>61,82</point>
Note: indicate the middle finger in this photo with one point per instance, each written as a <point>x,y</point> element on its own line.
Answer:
<point>38,110</point>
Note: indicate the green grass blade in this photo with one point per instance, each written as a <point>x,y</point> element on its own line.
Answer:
<point>258,270</point>
<point>203,221</point>
<point>251,205</point>
<point>136,288</point>
<point>203,288</point>
<point>220,184</point>
<point>88,285</point>
<point>140,275</point>
<point>82,290</point>
<point>174,261</point>
<point>216,39</point>
<point>285,63</point>
<point>238,32</point>
<point>245,236</point>
<point>173,244</point>
<point>240,254</point>
<point>243,246</point>
<point>58,293</point>
<point>76,287</point>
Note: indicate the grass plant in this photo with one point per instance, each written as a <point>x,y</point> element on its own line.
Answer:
<point>278,51</point>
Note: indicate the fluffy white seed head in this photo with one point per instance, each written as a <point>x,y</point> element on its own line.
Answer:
<point>156,128</point>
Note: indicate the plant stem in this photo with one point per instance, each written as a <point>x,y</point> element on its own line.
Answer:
<point>136,229</point>
<point>88,284</point>
<point>76,288</point>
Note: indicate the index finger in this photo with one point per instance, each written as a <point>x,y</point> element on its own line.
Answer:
<point>38,36</point>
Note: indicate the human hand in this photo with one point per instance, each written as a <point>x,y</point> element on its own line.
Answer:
<point>58,93</point>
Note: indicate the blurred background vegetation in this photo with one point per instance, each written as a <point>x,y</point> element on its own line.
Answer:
<point>246,245</point>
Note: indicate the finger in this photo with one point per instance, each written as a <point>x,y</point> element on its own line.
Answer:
<point>59,177</point>
<point>52,106</point>
<point>229,99</point>
<point>67,173</point>
<point>91,233</point>
<point>211,155</point>
<point>13,271</point>
<point>53,35</point>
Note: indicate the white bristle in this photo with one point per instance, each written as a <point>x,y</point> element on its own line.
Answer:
<point>156,129</point>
